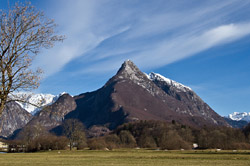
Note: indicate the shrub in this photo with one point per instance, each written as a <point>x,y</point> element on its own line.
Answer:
<point>171,140</point>
<point>112,141</point>
<point>97,144</point>
<point>127,139</point>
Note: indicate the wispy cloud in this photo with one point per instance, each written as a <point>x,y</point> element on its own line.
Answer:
<point>101,34</point>
<point>78,23</point>
<point>188,45</point>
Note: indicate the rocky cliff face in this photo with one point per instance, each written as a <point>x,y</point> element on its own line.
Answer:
<point>132,95</point>
<point>53,115</point>
<point>14,117</point>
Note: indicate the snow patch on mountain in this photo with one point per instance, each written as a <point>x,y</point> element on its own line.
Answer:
<point>35,102</point>
<point>237,116</point>
<point>179,86</point>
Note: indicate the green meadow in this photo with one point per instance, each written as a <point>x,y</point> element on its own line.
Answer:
<point>126,157</point>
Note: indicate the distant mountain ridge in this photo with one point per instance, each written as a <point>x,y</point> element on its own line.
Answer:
<point>238,119</point>
<point>237,116</point>
<point>35,101</point>
<point>236,124</point>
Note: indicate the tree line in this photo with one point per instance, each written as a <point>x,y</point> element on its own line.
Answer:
<point>171,136</point>
<point>141,134</point>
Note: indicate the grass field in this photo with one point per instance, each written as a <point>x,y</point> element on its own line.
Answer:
<point>125,157</point>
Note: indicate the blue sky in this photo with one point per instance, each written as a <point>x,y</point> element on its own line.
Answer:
<point>202,44</point>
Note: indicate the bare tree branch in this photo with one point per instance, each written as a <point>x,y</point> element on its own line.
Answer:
<point>24,30</point>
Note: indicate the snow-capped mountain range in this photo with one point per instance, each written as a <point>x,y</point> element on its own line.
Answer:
<point>35,102</point>
<point>237,116</point>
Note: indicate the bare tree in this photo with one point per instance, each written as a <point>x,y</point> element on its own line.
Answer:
<point>24,30</point>
<point>73,129</point>
<point>30,133</point>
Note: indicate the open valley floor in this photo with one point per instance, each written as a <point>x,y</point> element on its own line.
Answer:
<point>124,157</point>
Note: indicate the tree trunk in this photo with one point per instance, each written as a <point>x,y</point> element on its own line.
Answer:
<point>2,105</point>
<point>70,145</point>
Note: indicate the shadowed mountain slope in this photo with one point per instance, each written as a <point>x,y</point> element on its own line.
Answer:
<point>14,117</point>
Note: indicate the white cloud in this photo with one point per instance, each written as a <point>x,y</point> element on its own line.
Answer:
<point>226,33</point>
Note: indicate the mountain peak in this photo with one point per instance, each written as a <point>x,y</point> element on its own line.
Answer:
<point>129,70</point>
<point>128,61</point>
<point>128,67</point>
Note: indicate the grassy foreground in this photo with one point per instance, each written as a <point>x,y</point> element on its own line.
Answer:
<point>127,157</point>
